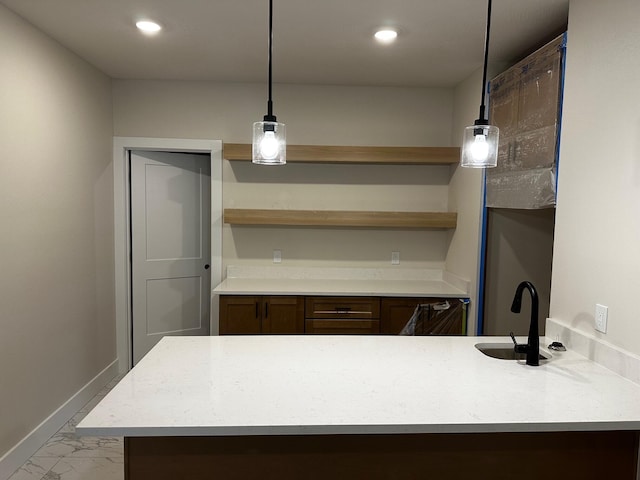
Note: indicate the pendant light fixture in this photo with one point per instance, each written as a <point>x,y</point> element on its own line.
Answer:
<point>480,141</point>
<point>269,136</point>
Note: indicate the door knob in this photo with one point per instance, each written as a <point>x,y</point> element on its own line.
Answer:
<point>206,267</point>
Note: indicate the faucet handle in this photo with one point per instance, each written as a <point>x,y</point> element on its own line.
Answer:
<point>518,347</point>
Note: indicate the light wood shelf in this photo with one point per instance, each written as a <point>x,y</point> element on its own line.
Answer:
<point>350,154</point>
<point>341,218</point>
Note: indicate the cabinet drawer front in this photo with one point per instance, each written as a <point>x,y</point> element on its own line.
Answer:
<point>341,326</point>
<point>342,307</point>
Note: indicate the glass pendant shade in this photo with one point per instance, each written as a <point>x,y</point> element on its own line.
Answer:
<point>269,137</point>
<point>269,143</point>
<point>480,146</point>
<point>480,141</point>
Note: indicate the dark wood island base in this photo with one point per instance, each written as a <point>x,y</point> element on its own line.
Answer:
<point>495,456</point>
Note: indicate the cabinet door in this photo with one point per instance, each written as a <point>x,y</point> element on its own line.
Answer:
<point>396,312</point>
<point>240,314</point>
<point>446,321</point>
<point>283,315</point>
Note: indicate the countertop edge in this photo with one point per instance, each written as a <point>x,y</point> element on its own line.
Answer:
<point>222,431</point>
<point>372,288</point>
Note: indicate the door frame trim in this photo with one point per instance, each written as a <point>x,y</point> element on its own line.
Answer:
<point>122,238</point>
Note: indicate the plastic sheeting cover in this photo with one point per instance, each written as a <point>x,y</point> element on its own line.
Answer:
<point>440,318</point>
<point>525,106</point>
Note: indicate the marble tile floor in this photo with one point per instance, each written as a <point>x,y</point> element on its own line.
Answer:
<point>66,456</point>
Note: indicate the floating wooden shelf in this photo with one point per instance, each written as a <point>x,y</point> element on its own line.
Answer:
<point>348,154</point>
<point>340,218</point>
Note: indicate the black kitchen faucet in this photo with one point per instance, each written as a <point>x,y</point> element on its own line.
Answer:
<point>532,348</point>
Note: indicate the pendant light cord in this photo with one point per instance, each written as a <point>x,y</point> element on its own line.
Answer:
<point>270,116</point>
<point>486,60</point>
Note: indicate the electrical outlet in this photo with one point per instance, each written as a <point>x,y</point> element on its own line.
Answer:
<point>395,258</point>
<point>601,318</point>
<point>277,256</point>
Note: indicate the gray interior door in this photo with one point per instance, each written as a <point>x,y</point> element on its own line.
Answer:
<point>170,243</point>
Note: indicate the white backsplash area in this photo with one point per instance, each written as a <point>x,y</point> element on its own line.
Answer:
<point>596,349</point>
<point>347,273</point>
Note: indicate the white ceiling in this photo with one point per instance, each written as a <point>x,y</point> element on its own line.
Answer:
<point>315,42</point>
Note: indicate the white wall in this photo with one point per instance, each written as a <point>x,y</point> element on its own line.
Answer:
<point>597,239</point>
<point>56,288</point>
<point>519,247</point>
<point>313,114</point>
<point>465,197</point>
<point>330,115</point>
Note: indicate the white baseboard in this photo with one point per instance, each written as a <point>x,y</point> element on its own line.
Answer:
<point>23,450</point>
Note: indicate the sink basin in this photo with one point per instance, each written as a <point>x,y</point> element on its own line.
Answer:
<point>503,351</point>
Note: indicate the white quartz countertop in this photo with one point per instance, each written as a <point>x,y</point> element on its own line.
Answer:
<point>341,281</point>
<point>390,288</point>
<point>279,385</point>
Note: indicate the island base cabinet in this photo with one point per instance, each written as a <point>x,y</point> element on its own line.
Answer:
<point>495,456</point>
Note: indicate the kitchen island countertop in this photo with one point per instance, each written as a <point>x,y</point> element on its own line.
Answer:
<point>306,385</point>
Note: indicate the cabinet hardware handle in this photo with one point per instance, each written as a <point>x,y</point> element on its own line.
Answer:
<point>257,310</point>
<point>266,310</point>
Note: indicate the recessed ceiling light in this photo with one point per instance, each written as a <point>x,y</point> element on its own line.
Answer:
<point>386,35</point>
<point>148,26</point>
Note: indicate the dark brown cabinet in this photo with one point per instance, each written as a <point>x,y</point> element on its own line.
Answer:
<point>395,313</point>
<point>342,315</point>
<point>279,315</point>
<point>253,315</point>
<point>439,316</point>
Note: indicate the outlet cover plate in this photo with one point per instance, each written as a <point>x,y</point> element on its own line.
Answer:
<point>601,318</point>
